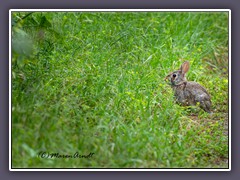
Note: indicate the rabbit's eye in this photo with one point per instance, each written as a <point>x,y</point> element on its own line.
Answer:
<point>174,75</point>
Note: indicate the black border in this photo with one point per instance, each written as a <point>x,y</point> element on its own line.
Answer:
<point>105,4</point>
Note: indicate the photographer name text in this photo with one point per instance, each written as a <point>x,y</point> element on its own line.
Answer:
<point>47,155</point>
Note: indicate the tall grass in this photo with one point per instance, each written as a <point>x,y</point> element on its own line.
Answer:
<point>93,82</point>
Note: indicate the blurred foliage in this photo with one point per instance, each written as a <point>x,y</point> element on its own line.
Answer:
<point>32,34</point>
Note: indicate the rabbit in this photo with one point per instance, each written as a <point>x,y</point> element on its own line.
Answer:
<point>188,93</point>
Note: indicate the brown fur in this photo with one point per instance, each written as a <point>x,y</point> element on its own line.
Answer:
<point>188,93</point>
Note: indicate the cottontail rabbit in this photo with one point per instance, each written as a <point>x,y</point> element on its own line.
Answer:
<point>187,92</point>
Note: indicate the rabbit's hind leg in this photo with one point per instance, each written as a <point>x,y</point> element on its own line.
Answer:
<point>206,105</point>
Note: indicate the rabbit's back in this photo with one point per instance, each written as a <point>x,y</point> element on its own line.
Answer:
<point>198,91</point>
<point>190,93</point>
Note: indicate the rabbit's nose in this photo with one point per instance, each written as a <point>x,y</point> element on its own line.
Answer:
<point>167,77</point>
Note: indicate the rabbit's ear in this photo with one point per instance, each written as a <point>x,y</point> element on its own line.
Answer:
<point>185,67</point>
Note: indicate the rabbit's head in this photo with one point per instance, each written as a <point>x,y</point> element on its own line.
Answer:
<point>178,77</point>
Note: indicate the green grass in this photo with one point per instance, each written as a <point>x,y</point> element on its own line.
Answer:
<point>94,82</point>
